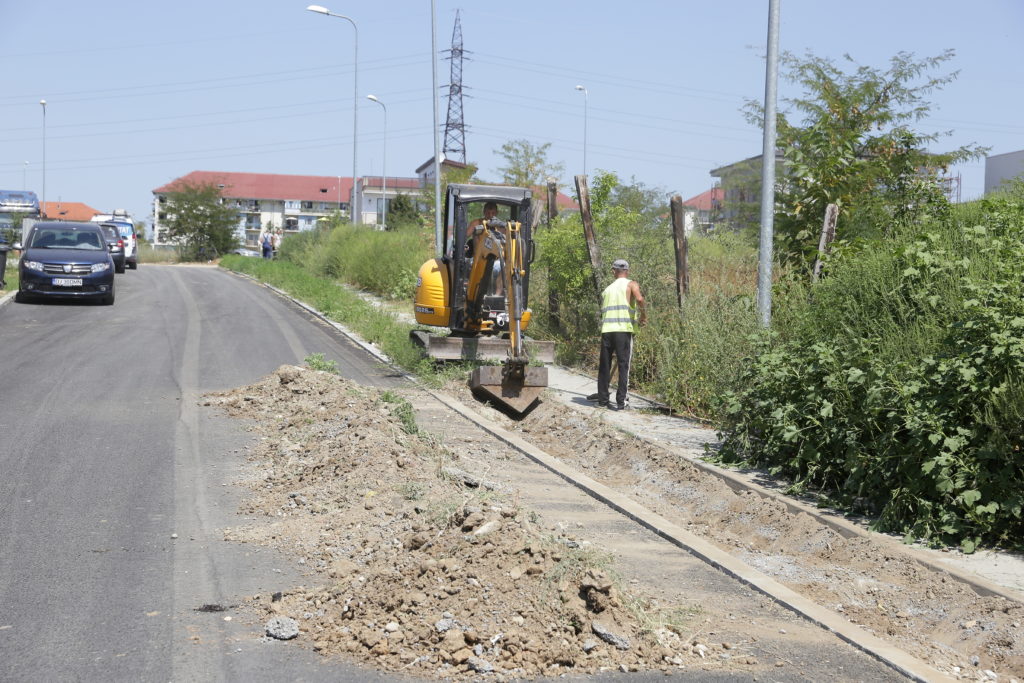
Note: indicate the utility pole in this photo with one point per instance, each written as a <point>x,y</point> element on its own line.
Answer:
<point>765,256</point>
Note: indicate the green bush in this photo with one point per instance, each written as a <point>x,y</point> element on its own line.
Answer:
<point>383,262</point>
<point>897,384</point>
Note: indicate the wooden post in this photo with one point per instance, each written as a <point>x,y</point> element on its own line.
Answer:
<point>552,200</point>
<point>828,233</point>
<point>588,231</point>
<point>553,302</point>
<point>682,246</point>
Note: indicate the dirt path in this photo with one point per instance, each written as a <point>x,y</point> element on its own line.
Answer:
<point>873,584</point>
<point>450,555</point>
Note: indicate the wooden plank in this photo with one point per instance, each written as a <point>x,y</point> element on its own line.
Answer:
<point>682,248</point>
<point>828,234</point>
<point>588,231</point>
<point>554,304</point>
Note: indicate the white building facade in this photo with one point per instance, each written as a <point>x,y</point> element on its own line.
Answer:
<point>289,203</point>
<point>1000,168</point>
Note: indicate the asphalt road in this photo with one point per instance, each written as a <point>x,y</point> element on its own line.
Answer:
<point>105,453</point>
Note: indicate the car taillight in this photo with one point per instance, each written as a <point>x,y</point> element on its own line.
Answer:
<point>120,243</point>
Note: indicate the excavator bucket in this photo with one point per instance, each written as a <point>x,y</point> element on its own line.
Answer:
<point>517,392</point>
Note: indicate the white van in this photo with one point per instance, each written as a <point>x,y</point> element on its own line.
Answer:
<point>126,226</point>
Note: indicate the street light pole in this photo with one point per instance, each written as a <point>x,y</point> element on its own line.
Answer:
<point>24,177</point>
<point>43,212</point>
<point>586,100</point>
<point>384,163</point>
<point>355,108</point>
<point>437,131</point>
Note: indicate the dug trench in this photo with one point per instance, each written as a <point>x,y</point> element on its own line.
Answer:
<point>436,550</point>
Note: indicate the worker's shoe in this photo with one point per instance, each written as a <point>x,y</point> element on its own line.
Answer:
<point>594,398</point>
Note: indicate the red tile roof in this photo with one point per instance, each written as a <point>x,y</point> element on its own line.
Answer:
<point>269,185</point>
<point>67,211</point>
<point>706,201</point>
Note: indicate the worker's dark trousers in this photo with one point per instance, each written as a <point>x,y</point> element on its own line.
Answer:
<point>620,345</point>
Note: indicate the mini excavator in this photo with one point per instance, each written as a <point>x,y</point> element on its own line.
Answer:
<point>479,288</point>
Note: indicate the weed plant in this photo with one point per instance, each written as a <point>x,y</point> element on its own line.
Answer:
<point>317,361</point>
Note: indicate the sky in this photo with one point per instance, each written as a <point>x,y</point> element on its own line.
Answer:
<point>141,93</point>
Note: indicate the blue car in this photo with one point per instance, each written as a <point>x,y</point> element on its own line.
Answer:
<point>67,260</point>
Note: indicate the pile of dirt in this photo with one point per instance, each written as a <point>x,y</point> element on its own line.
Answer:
<point>872,582</point>
<point>421,566</point>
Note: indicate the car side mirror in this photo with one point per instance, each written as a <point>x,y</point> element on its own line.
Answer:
<point>16,246</point>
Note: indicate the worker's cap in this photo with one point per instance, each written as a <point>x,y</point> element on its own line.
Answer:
<point>620,264</point>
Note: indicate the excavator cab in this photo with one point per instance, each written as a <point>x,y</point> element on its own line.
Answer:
<point>479,288</point>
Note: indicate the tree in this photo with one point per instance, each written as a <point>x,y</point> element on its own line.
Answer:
<point>848,141</point>
<point>198,220</point>
<point>402,213</point>
<point>527,165</point>
<point>449,174</point>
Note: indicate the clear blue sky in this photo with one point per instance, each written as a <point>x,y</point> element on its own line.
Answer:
<point>140,93</point>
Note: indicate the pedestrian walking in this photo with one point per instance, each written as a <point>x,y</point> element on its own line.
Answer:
<point>619,322</point>
<point>267,244</point>
<point>277,241</point>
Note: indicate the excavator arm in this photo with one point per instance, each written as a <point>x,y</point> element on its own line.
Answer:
<point>515,383</point>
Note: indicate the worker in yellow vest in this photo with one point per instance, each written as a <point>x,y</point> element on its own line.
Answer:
<point>619,321</point>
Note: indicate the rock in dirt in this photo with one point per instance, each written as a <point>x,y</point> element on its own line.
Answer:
<point>481,666</point>
<point>282,628</point>
<point>603,632</point>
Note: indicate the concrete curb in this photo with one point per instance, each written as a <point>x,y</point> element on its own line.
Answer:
<point>899,660</point>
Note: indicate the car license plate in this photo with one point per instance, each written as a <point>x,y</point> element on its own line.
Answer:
<point>67,282</point>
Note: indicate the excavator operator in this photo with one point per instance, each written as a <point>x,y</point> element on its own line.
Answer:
<point>490,212</point>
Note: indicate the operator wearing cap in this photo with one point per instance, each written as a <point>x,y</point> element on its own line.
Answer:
<point>619,302</point>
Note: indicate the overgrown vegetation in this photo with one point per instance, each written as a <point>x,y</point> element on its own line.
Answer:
<point>897,384</point>
<point>686,356</point>
<point>384,262</point>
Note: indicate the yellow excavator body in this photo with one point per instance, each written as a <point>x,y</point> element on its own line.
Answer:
<point>478,289</point>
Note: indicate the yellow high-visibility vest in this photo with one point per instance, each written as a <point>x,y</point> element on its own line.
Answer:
<point>616,313</point>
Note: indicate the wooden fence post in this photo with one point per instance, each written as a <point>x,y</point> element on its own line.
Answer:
<point>682,246</point>
<point>588,231</point>
<point>828,233</point>
<point>553,303</point>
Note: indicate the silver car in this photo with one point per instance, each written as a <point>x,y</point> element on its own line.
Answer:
<point>115,244</point>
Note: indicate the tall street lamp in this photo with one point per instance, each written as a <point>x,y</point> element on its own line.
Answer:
<point>24,177</point>
<point>586,100</point>
<point>384,164</point>
<point>437,130</point>
<point>355,107</point>
<point>43,212</point>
